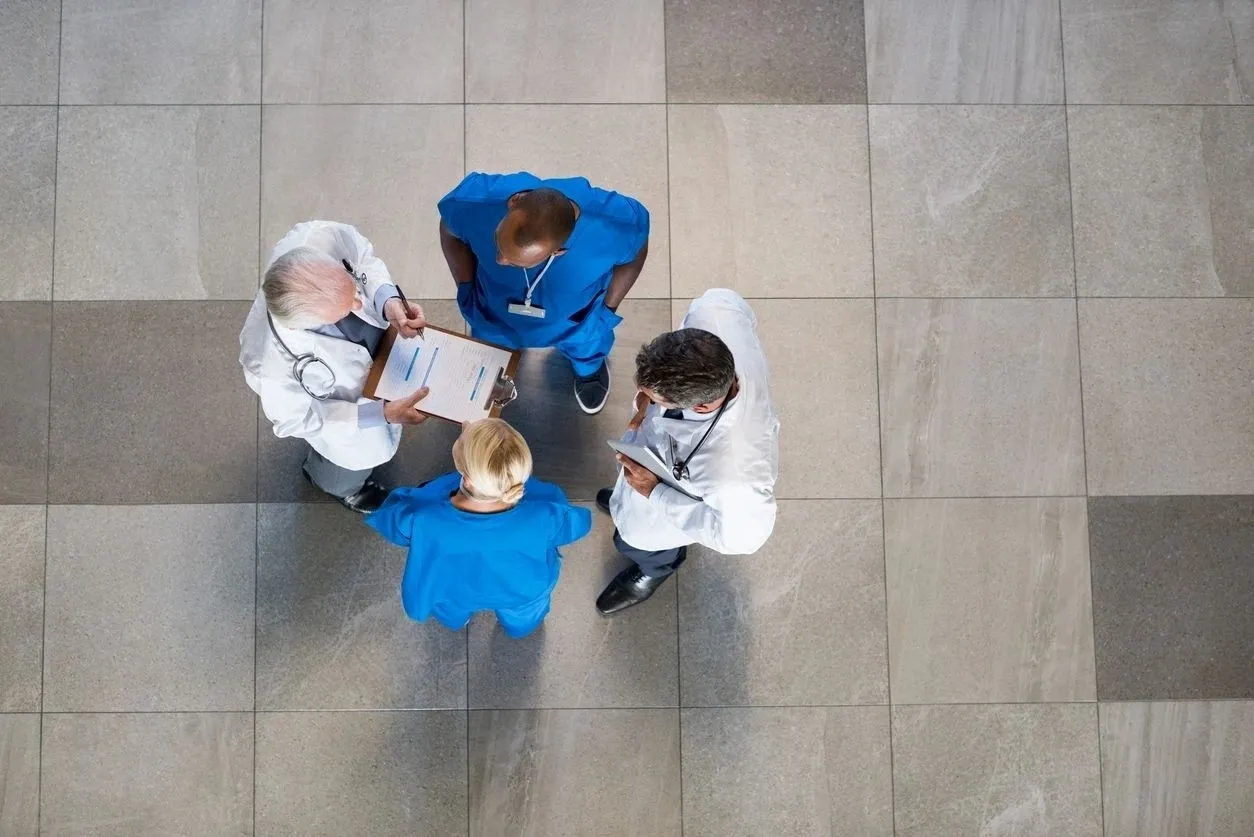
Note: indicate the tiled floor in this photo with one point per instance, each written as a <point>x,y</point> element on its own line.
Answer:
<point>1003,257</point>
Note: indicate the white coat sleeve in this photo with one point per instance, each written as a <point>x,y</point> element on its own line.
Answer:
<point>740,524</point>
<point>293,413</point>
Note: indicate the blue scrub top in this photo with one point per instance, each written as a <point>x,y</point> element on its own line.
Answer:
<point>610,231</point>
<point>466,561</point>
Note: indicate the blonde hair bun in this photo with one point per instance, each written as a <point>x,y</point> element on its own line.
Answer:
<point>494,458</point>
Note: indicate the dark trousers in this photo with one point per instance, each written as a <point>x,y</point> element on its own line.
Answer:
<point>654,564</point>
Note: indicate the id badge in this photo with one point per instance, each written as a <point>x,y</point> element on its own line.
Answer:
<point>524,310</point>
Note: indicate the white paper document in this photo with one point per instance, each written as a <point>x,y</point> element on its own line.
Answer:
<point>650,460</point>
<point>461,374</point>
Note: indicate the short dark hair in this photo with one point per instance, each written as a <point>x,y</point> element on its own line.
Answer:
<point>548,218</point>
<point>686,367</point>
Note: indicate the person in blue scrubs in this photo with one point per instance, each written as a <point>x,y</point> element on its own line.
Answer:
<point>545,263</point>
<point>484,537</point>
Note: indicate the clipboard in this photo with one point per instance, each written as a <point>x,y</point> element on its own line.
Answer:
<point>647,458</point>
<point>503,391</point>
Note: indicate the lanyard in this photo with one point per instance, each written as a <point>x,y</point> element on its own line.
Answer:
<point>531,286</point>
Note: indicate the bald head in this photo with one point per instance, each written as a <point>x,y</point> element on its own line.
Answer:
<point>536,225</point>
<point>306,288</point>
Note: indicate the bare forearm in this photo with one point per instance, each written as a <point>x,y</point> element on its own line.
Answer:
<point>461,259</point>
<point>624,276</point>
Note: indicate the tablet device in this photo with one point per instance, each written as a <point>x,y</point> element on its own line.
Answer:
<point>649,459</point>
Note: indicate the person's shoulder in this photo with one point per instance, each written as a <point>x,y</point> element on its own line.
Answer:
<point>430,494</point>
<point>485,187</point>
<point>606,204</point>
<point>537,492</point>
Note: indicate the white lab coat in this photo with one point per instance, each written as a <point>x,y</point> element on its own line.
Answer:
<point>734,472</point>
<point>330,426</point>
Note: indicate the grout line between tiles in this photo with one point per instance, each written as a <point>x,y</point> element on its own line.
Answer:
<point>443,103</point>
<point>261,138</point>
<point>52,330</point>
<point>879,436</point>
<point>465,171</point>
<point>752,298</point>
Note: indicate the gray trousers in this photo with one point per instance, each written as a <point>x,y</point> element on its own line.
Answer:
<point>653,564</point>
<point>331,478</point>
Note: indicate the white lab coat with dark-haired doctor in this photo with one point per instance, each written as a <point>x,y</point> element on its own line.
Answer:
<point>307,346</point>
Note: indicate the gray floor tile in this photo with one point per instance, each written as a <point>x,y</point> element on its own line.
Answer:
<point>157,203</point>
<point>568,445</point>
<point>988,601</point>
<point>149,608</point>
<point>789,51</point>
<point>1168,386</point>
<point>1162,200</point>
<point>964,51</point>
<point>799,623</point>
<point>376,773</point>
<point>331,632</point>
<point>188,434</point>
<point>25,337</point>
<point>1172,583</point>
<point>830,442</point>
<point>380,168</point>
<point>19,775</point>
<point>971,201</point>
<point>739,175</point>
<point>980,398</point>
<point>617,147</point>
<point>425,451</point>
<point>567,772</point>
<point>576,51</point>
<point>1159,51</point>
<point>383,52</point>
<point>21,609</point>
<point>1030,769</point>
<point>579,658</point>
<point>785,772</point>
<point>29,41</point>
<point>178,52</point>
<point>124,775</point>
<point>1178,768</point>
<point>28,147</point>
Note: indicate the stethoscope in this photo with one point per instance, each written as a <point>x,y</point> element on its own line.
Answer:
<point>302,363</point>
<point>680,468</point>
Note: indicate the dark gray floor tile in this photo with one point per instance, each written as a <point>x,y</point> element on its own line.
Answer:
<point>949,51</point>
<point>121,775</point>
<point>1172,586</point>
<point>21,607</point>
<point>425,451</point>
<point>149,608</point>
<point>30,32</point>
<point>1159,51</point>
<point>988,600</point>
<point>804,772</point>
<point>149,404</point>
<point>331,632</point>
<point>1178,768</point>
<point>579,658</point>
<point>19,775</point>
<point>28,147</point>
<point>383,774</point>
<point>25,345</point>
<point>413,52</point>
<point>174,52</point>
<point>996,769</point>
<point>568,446</point>
<point>1162,200</point>
<point>799,623</point>
<point>543,773</point>
<point>782,52</point>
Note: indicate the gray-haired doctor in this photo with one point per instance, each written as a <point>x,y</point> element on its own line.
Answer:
<point>307,347</point>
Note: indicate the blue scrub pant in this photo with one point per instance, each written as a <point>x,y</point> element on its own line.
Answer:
<point>517,622</point>
<point>586,349</point>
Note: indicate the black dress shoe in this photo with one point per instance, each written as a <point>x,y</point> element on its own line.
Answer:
<point>630,587</point>
<point>592,391</point>
<point>603,499</point>
<point>369,498</point>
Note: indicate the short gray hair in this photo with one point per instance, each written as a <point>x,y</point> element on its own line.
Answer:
<point>296,287</point>
<point>686,367</point>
